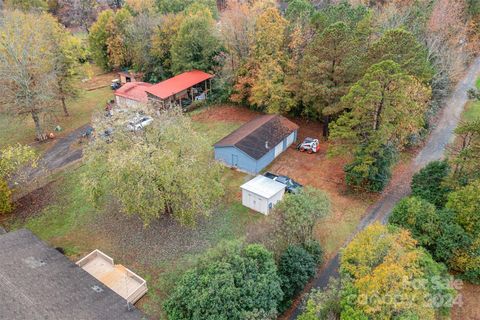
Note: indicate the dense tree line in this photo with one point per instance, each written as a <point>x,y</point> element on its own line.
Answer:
<point>435,229</point>
<point>180,37</point>
<point>358,68</point>
<point>443,213</point>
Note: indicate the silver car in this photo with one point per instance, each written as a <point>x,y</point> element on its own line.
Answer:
<point>140,123</point>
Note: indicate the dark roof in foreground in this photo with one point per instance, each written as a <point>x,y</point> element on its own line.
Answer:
<point>38,282</point>
<point>257,137</point>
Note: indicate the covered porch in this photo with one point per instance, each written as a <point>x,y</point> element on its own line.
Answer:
<point>181,90</point>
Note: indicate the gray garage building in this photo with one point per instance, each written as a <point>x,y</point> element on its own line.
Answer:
<point>257,143</point>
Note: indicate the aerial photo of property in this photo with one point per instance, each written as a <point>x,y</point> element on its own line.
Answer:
<point>239,159</point>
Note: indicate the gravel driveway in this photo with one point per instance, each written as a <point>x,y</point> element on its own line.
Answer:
<point>399,187</point>
<point>65,151</point>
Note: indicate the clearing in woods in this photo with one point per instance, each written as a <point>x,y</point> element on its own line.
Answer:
<point>64,218</point>
<point>316,170</point>
<point>163,251</point>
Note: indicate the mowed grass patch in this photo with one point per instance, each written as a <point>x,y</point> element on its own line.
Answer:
<point>472,111</point>
<point>22,130</point>
<point>65,218</point>
<point>214,131</point>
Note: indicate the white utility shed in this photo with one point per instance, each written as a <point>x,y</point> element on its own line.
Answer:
<point>261,194</point>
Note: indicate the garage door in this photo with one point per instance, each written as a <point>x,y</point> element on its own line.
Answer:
<point>290,138</point>
<point>278,149</point>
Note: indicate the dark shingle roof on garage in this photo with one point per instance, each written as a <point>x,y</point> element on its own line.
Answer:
<point>38,282</point>
<point>257,137</point>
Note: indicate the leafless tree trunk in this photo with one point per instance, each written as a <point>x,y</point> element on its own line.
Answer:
<point>64,106</point>
<point>39,133</point>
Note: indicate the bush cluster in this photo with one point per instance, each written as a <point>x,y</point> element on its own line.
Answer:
<point>444,221</point>
<point>371,171</point>
<point>295,268</point>
<point>5,197</point>
<point>237,281</point>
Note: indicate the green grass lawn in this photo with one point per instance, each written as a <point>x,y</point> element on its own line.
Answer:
<point>17,130</point>
<point>72,222</point>
<point>472,110</point>
<point>214,131</point>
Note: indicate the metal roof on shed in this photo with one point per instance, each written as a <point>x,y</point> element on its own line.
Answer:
<point>177,84</point>
<point>263,186</point>
<point>134,91</point>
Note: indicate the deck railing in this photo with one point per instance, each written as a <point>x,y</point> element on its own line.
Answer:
<point>142,284</point>
<point>92,255</point>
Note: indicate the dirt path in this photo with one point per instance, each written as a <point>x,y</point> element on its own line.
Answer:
<point>399,187</point>
<point>65,151</point>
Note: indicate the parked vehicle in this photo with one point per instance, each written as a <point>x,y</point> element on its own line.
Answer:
<point>270,175</point>
<point>86,135</point>
<point>309,145</point>
<point>185,103</point>
<point>291,185</point>
<point>107,135</point>
<point>115,84</point>
<point>139,123</point>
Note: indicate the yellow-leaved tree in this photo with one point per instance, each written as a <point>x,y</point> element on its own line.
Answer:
<point>384,275</point>
<point>261,81</point>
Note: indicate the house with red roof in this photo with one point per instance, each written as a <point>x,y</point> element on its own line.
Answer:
<point>132,94</point>
<point>180,90</point>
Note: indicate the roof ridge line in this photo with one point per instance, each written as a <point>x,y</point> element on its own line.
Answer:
<point>274,116</point>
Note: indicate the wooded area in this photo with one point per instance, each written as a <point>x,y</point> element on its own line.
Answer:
<point>371,76</point>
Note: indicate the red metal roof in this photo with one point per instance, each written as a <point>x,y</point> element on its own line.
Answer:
<point>177,84</point>
<point>134,91</point>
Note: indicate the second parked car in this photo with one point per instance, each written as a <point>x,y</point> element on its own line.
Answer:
<point>291,185</point>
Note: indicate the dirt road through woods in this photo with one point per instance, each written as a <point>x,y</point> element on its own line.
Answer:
<point>399,187</point>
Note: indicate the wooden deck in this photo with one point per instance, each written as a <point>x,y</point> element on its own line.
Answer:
<point>115,276</point>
